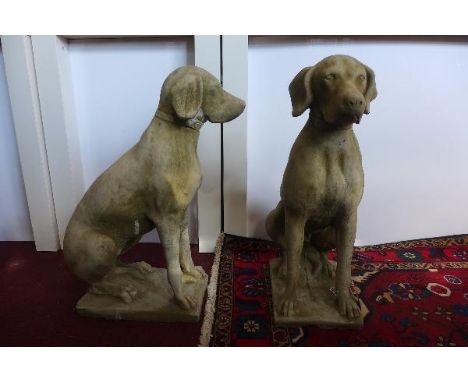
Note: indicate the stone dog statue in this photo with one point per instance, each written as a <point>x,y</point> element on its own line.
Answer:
<point>150,186</point>
<point>324,180</point>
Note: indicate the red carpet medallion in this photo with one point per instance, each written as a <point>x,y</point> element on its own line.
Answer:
<point>416,293</point>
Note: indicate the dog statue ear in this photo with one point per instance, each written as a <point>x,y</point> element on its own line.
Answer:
<point>187,96</point>
<point>371,91</point>
<point>300,91</point>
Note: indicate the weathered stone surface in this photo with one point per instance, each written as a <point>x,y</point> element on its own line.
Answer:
<point>323,182</point>
<point>150,186</point>
<point>316,302</point>
<point>155,299</point>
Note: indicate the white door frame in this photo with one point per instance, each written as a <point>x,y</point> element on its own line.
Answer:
<point>60,129</point>
<point>235,81</point>
<point>25,107</point>
<point>208,56</point>
<point>227,58</point>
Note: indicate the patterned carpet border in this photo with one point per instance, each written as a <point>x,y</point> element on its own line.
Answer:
<point>210,305</point>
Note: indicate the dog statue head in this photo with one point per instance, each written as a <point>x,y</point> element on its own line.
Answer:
<point>338,90</point>
<point>192,95</point>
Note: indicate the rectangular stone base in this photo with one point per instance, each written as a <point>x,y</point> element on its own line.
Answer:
<point>316,303</point>
<point>155,300</point>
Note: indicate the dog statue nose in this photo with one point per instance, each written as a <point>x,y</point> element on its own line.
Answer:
<point>353,102</point>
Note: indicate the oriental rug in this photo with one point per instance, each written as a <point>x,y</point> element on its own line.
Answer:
<point>416,293</point>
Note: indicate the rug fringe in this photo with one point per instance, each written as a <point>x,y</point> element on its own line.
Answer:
<point>208,318</point>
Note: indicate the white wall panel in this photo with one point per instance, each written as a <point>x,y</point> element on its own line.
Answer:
<point>52,68</point>
<point>208,57</point>
<point>235,66</point>
<point>14,215</point>
<point>116,85</point>
<point>414,142</point>
<point>26,113</point>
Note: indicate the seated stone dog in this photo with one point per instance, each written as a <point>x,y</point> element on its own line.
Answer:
<point>150,186</point>
<point>324,180</point>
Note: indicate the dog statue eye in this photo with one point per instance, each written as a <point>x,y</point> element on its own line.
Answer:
<point>362,77</point>
<point>330,76</point>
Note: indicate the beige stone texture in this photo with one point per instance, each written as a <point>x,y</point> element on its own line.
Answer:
<point>154,301</point>
<point>324,180</point>
<point>150,186</point>
<point>316,301</point>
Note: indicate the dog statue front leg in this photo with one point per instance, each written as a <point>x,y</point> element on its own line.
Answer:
<point>169,233</point>
<point>190,272</point>
<point>347,306</point>
<point>294,241</point>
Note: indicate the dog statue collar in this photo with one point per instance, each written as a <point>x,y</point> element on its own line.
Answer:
<point>197,121</point>
<point>194,123</point>
<point>315,115</point>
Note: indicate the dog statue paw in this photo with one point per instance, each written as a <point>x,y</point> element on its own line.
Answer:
<point>348,306</point>
<point>288,303</point>
<point>193,275</point>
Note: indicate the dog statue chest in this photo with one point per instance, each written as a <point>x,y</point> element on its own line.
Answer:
<point>176,189</point>
<point>177,175</point>
<point>327,174</point>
